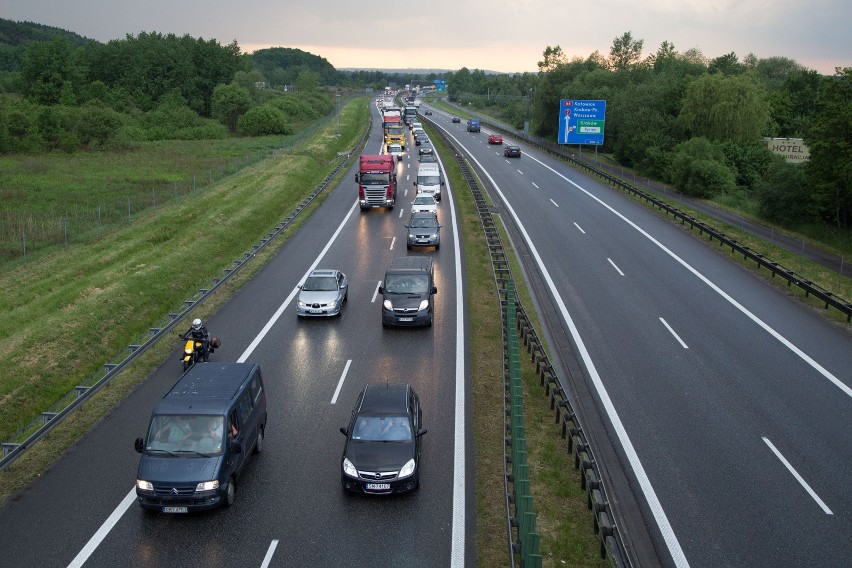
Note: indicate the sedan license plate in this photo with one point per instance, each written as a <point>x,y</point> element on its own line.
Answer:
<point>175,509</point>
<point>316,311</point>
<point>406,319</point>
<point>378,486</point>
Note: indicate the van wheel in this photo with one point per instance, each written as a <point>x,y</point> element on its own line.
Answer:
<point>258,445</point>
<point>230,493</point>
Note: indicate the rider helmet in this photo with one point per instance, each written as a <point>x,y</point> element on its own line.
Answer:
<point>196,324</point>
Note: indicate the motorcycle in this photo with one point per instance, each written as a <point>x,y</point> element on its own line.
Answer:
<point>193,351</point>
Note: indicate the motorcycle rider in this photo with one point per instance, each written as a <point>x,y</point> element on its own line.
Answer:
<point>198,332</point>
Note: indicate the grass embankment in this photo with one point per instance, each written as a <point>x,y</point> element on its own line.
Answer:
<point>563,520</point>
<point>63,313</point>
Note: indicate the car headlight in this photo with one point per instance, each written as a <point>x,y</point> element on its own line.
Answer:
<point>332,304</point>
<point>143,485</point>
<point>408,468</point>
<point>302,304</point>
<point>207,485</point>
<point>349,469</point>
<point>423,305</point>
<point>433,236</point>
<point>388,304</point>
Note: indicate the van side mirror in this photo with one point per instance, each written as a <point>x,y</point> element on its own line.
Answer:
<point>381,289</point>
<point>421,431</point>
<point>139,444</point>
<point>356,177</point>
<point>344,431</point>
<point>434,289</point>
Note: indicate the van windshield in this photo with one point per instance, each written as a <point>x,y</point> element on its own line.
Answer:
<point>428,180</point>
<point>186,433</point>
<point>406,284</point>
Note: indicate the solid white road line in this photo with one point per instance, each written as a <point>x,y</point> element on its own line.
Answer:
<point>676,336</point>
<point>459,484</point>
<point>579,227</point>
<point>376,292</point>
<point>612,263</point>
<point>340,382</point>
<point>798,477</point>
<point>95,541</point>
<point>111,521</point>
<point>270,551</point>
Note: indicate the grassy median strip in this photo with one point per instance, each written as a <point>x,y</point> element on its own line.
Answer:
<point>563,519</point>
<point>62,313</point>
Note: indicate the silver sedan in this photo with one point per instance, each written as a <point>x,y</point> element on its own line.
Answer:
<point>322,294</point>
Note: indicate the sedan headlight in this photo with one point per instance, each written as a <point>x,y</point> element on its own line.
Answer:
<point>408,468</point>
<point>207,485</point>
<point>332,304</point>
<point>143,485</point>
<point>423,305</point>
<point>302,304</point>
<point>388,305</point>
<point>349,469</point>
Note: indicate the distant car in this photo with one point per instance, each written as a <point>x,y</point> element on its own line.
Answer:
<point>456,120</point>
<point>512,152</point>
<point>416,125</point>
<point>322,294</point>
<point>418,131</point>
<point>495,139</point>
<point>428,158</point>
<point>425,148</point>
<point>423,231</point>
<point>382,450</point>
<point>424,203</point>
<point>428,113</point>
<point>420,139</point>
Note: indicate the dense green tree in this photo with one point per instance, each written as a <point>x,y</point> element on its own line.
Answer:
<point>724,108</point>
<point>830,141</point>
<point>263,120</point>
<point>229,103</point>
<point>47,67</point>
<point>727,64</point>
<point>625,52</point>
<point>698,169</point>
<point>782,192</point>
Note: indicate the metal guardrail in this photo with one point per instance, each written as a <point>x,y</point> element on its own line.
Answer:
<point>605,526</point>
<point>47,420</point>
<point>828,298</point>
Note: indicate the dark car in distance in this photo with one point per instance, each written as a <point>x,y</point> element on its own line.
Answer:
<point>456,120</point>
<point>382,450</point>
<point>512,152</point>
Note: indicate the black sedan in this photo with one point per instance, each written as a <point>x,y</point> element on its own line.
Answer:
<point>456,120</point>
<point>382,450</point>
<point>512,152</point>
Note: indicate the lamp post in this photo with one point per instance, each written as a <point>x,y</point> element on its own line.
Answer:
<point>337,96</point>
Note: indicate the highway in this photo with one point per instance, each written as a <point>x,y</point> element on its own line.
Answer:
<point>290,509</point>
<point>728,402</point>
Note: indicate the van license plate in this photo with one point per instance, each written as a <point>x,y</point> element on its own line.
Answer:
<point>175,509</point>
<point>406,319</point>
<point>378,486</point>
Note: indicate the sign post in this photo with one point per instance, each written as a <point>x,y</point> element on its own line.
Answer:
<point>581,121</point>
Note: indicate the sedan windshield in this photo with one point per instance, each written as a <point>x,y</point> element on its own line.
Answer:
<point>382,429</point>
<point>320,284</point>
<point>424,200</point>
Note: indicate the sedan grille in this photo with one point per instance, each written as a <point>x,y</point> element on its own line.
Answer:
<point>378,475</point>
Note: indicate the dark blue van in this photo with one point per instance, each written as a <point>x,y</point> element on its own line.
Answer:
<point>473,125</point>
<point>200,436</point>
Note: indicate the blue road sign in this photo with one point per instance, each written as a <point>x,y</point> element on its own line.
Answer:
<point>581,122</point>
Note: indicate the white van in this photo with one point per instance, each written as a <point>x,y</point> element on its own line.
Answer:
<point>429,180</point>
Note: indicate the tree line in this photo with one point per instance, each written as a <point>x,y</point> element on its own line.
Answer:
<point>697,122</point>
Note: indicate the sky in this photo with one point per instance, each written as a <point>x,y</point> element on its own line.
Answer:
<point>494,35</point>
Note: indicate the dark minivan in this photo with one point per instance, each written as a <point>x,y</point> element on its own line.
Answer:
<point>199,438</point>
<point>407,291</point>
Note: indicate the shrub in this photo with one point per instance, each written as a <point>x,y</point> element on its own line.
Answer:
<point>263,120</point>
<point>698,169</point>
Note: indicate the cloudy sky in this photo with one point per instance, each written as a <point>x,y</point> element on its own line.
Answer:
<point>498,35</point>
